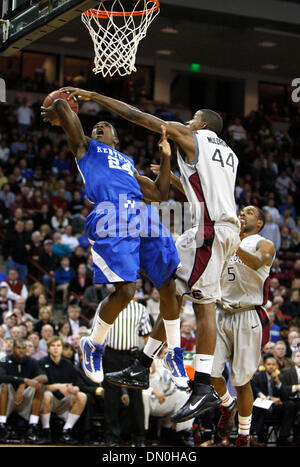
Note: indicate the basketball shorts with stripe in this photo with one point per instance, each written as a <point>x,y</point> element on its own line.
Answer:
<point>120,259</point>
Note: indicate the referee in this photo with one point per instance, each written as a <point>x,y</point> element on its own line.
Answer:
<point>122,347</point>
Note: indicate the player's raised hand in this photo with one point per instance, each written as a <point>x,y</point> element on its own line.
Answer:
<point>163,145</point>
<point>81,94</point>
<point>242,231</point>
<point>49,115</point>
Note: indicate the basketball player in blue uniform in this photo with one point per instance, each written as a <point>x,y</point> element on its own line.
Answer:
<point>126,235</point>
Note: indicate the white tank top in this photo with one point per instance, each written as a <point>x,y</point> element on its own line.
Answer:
<point>241,286</point>
<point>210,179</point>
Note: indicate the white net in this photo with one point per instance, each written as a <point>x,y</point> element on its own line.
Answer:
<point>116,34</point>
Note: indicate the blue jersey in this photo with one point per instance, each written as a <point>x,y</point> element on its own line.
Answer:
<point>107,174</point>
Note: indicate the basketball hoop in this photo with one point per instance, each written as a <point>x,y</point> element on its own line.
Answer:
<point>116,34</point>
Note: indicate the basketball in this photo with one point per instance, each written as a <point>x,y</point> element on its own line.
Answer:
<point>73,103</point>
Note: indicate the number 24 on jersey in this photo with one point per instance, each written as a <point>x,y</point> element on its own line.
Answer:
<point>114,163</point>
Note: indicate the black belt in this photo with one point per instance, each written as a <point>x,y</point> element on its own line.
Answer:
<point>131,351</point>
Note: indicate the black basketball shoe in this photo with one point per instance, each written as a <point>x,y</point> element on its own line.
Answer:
<point>136,376</point>
<point>202,398</point>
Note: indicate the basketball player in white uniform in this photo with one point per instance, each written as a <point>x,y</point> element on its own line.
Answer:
<point>209,170</point>
<point>242,323</point>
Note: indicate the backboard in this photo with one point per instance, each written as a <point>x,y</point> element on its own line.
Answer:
<point>24,21</point>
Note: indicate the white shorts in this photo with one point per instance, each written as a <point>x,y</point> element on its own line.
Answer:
<point>201,264</point>
<point>239,338</point>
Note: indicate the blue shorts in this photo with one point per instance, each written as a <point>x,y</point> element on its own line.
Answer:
<point>119,255</point>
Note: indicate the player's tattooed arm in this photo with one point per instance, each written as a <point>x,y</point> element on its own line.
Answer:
<point>176,131</point>
<point>262,257</point>
<point>60,113</point>
<point>158,190</point>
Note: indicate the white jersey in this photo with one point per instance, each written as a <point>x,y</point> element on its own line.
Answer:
<point>241,286</point>
<point>209,180</point>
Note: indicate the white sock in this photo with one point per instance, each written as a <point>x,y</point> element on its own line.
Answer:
<point>227,399</point>
<point>71,420</point>
<point>3,418</point>
<point>204,363</point>
<point>100,331</point>
<point>33,420</point>
<point>172,327</point>
<point>152,347</point>
<point>45,420</point>
<point>244,425</point>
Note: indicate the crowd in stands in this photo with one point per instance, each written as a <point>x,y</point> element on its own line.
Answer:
<point>46,286</point>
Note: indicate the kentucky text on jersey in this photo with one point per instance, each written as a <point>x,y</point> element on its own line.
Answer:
<point>107,173</point>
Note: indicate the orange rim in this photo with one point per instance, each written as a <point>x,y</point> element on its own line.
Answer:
<point>106,14</point>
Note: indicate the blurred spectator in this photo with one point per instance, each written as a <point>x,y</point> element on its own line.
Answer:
<point>42,216</point>
<point>237,131</point>
<point>162,399</point>
<point>280,355</point>
<point>295,241</point>
<point>272,209</point>
<point>80,281</point>
<point>291,308</point>
<point>95,293</point>
<point>59,221</point>
<point>153,304</point>
<point>59,248</point>
<point>77,257</point>
<point>188,338</point>
<point>60,166</point>
<point>63,275</point>
<point>25,117</point>
<point>74,318</point>
<point>45,317</point>
<point>266,384</point>
<point>68,239</point>
<point>6,304</point>
<point>64,330</point>
<point>16,287</point>
<point>293,343</point>
<point>287,220</point>
<point>274,328</point>
<point>271,231</point>
<point>69,352</point>
<point>48,263</point>
<point>16,245</point>
<point>285,238</point>
<point>6,195</point>
<point>47,331</point>
<point>75,343</point>
<point>35,339</point>
<point>283,185</point>
<point>31,305</point>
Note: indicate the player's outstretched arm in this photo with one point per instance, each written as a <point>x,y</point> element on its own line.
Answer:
<point>176,131</point>
<point>158,190</point>
<point>60,113</point>
<point>263,255</point>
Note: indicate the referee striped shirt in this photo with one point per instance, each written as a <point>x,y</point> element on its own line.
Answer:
<point>131,323</point>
